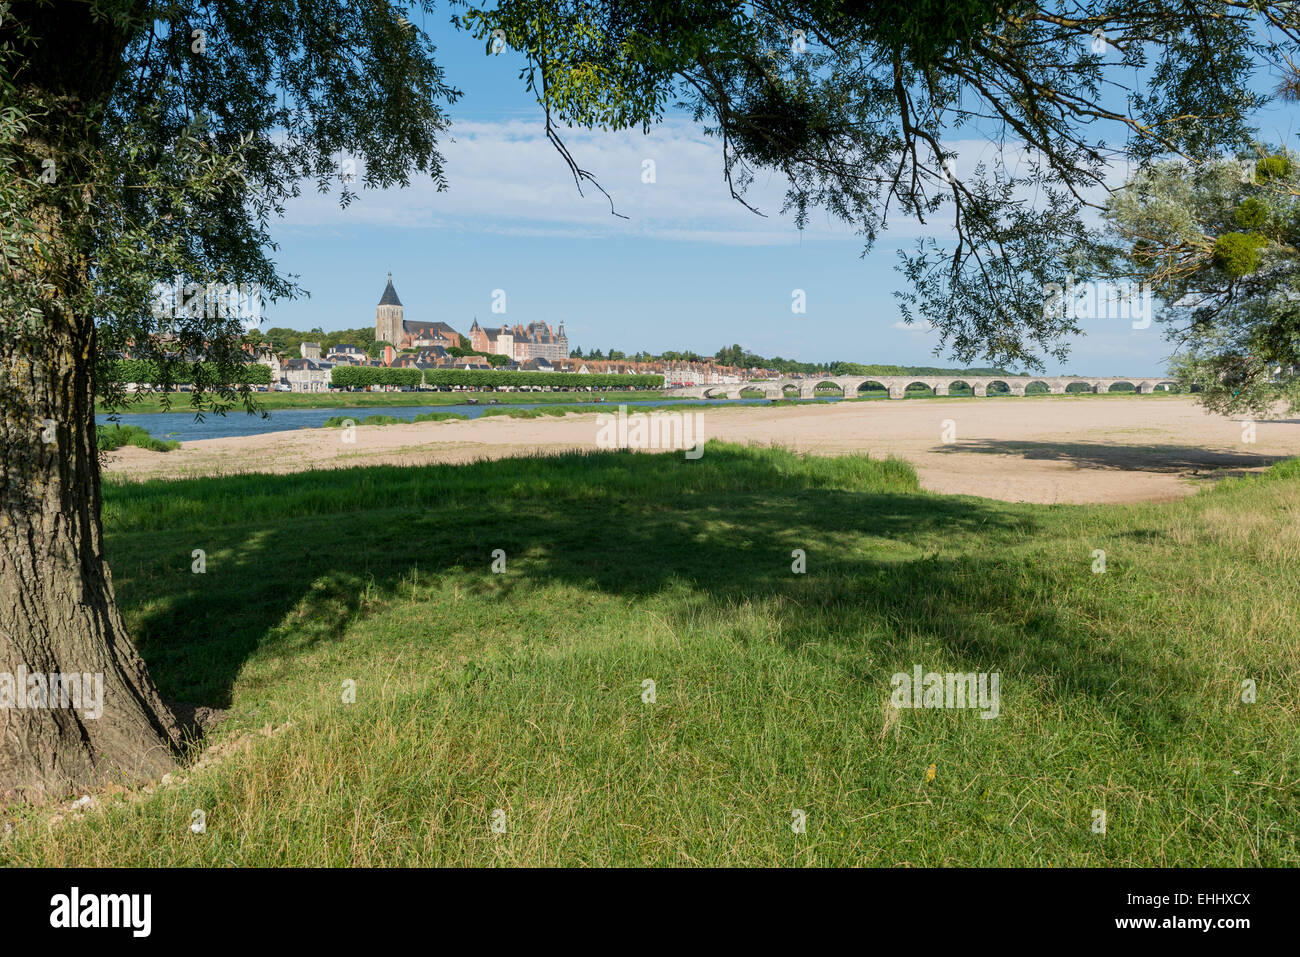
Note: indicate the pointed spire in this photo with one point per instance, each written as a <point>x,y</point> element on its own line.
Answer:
<point>389,297</point>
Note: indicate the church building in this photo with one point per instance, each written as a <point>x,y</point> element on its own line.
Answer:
<point>392,327</point>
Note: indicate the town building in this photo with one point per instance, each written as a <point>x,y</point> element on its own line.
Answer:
<point>538,341</point>
<point>534,365</point>
<point>265,355</point>
<point>699,373</point>
<point>308,375</point>
<point>346,353</point>
<point>428,357</point>
<point>499,341</point>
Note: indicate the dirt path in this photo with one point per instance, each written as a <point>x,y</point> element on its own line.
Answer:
<point>1048,449</point>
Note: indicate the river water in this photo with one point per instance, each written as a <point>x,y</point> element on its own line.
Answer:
<point>183,427</point>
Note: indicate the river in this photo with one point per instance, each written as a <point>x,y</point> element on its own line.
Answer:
<point>183,427</point>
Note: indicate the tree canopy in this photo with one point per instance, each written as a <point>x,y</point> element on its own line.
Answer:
<point>1219,244</point>
<point>857,106</point>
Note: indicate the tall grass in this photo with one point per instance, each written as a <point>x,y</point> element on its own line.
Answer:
<point>110,437</point>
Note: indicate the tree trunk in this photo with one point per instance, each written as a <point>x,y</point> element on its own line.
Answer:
<point>57,610</point>
<point>58,615</point>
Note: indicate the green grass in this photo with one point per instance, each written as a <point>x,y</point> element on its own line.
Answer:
<point>110,437</point>
<point>180,401</point>
<point>523,691</point>
<point>436,417</point>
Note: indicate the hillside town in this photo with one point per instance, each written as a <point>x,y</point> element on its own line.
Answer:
<point>420,344</point>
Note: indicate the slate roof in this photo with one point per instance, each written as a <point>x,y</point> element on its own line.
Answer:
<point>414,325</point>
<point>389,297</point>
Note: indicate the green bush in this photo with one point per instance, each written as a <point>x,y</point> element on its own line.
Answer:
<point>362,377</point>
<point>1273,167</point>
<point>110,437</point>
<point>1237,254</point>
<point>494,359</point>
<point>342,421</point>
<point>1251,214</point>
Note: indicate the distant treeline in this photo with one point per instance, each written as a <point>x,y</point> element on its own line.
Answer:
<point>736,356</point>
<point>286,341</point>
<point>181,373</point>
<point>360,377</point>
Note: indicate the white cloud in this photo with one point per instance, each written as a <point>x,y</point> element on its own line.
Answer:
<point>505,178</point>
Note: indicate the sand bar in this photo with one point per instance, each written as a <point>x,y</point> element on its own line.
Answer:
<point>1048,449</point>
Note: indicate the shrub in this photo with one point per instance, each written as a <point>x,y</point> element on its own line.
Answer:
<point>110,437</point>
<point>1251,214</point>
<point>1237,254</point>
<point>1273,167</point>
<point>362,377</point>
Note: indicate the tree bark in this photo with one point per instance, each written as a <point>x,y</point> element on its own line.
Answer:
<point>58,614</point>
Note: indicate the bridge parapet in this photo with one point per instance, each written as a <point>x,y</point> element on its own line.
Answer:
<point>897,385</point>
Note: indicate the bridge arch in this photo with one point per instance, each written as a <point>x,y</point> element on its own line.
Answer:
<point>871,385</point>
<point>997,387</point>
<point>1132,386</point>
<point>1037,387</point>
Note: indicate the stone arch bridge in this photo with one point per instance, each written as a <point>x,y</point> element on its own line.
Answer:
<point>897,385</point>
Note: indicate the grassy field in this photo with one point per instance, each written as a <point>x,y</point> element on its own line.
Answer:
<point>180,401</point>
<point>522,692</point>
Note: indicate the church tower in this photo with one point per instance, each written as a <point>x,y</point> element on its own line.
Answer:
<point>388,316</point>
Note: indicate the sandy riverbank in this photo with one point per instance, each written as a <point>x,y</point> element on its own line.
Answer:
<point>1049,449</point>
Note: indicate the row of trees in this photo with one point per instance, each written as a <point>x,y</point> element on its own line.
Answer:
<point>857,368</point>
<point>360,377</point>
<point>286,341</point>
<point>207,374</point>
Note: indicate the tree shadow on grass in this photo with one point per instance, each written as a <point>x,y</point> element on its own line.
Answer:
<point>1165,459</point>
<point>884,568</point>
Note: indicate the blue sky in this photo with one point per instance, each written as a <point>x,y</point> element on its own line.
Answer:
<point>690,268</point>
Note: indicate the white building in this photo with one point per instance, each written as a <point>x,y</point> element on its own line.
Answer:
<point>308,375</point>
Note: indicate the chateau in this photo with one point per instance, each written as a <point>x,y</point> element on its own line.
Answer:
<point>535,341</point>
<point>520,343</point>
